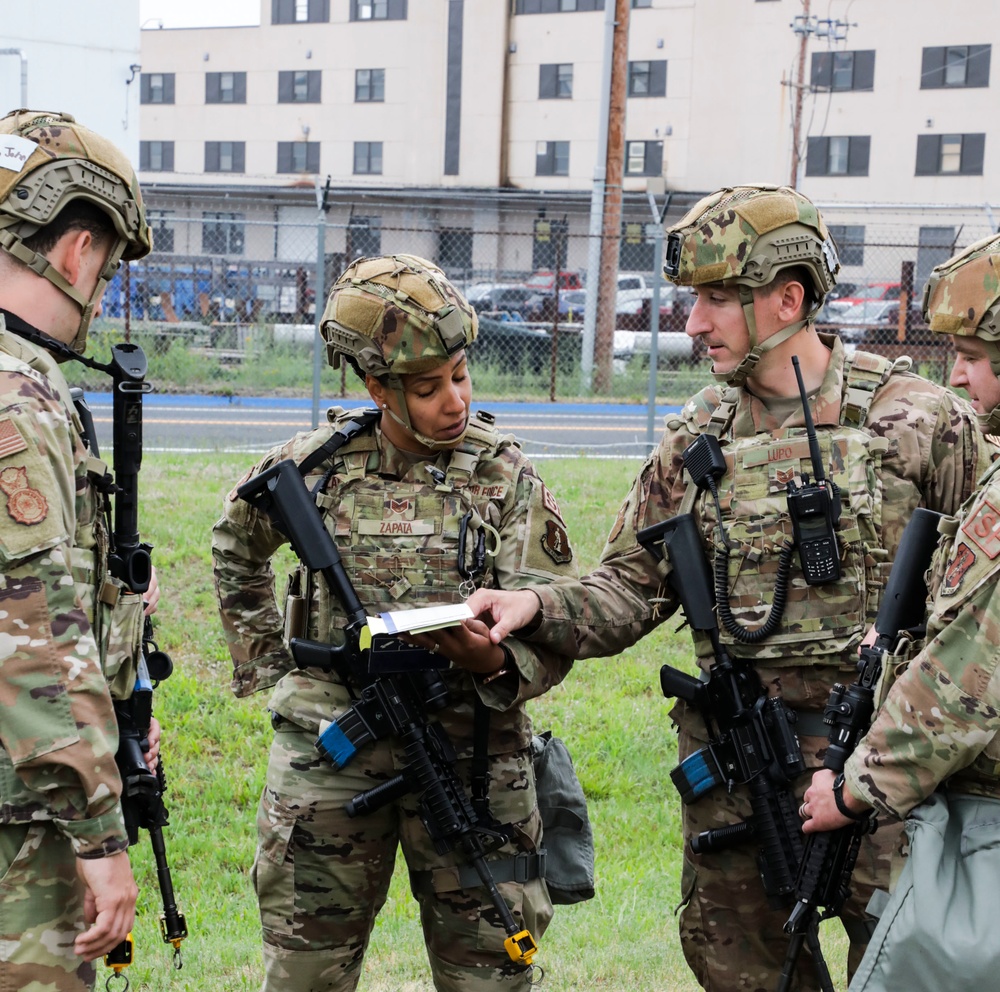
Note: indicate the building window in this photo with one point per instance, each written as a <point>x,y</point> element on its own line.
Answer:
<point>962,66</point>
<point>950,154</point>
<point>850,242</point>
<point>838,156</point>
<point>647,78</point>
<point>368,158</point>
<point>300,11</point>
<point>298,156</point>
<point>364,236</point>
<point>643,158</point>
<point>225,156</point>
<point>163,235</point>
<point>641,3</point>
<point>378,10</point>
<point>840,71</point>
<point>300,86</point>
<point>556,6</point>
<point>552,158</point>
<point>156,156</point>
<point>157,87</point>
<point>221,233</point>
<point>369,86</point>
<point>555,81</point>
<point>225,87</point>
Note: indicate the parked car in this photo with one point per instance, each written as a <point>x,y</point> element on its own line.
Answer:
<point>543,281</point>
<point>853,323</point>
<point>886,330</point>
<point>506,298</point>
<point>877,291</point>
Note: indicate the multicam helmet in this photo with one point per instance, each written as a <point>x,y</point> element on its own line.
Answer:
<point>49,161</point>
<point>744,236</point>
<point>962,297</point>
<point>394,315</point>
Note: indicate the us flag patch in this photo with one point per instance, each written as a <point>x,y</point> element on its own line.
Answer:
<point>11,441</point>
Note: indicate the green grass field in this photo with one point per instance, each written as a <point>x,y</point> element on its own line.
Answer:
<point>610,712</point>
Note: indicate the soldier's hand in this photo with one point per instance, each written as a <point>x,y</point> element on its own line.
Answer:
<point>151,597</point>
<point>819,808</point>
<point>504,611</point>
<point>109,903</point>
<point>466,645</point>
<point>152,756</point>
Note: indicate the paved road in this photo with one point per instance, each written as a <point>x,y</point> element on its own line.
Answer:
<point>252,424</point>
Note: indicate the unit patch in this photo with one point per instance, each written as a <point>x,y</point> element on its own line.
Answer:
<point>960,563</point>
<point>555,543</point>
<point>24,504</point>
<point>983,529</point>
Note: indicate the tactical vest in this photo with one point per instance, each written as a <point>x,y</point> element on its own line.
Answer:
<point>820,622</point>
<point>426,538</point>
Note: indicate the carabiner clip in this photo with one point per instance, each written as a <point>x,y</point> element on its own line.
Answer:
<point>478,551</point>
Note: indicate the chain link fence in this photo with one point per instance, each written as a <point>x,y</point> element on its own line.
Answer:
<point>229,292</point>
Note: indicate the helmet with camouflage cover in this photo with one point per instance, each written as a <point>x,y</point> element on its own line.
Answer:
<point>962,297</point>
<point>743,236</point>
<point>50,160</point>
<point>394,315</point>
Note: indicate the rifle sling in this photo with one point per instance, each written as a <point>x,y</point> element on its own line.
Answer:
<point>518,868</point>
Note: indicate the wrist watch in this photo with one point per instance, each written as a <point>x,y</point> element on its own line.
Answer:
<point>838,798</point>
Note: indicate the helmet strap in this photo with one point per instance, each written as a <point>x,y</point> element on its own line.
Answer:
<point>403,421</point>
<point>744,370</point>
<point>40,265</point>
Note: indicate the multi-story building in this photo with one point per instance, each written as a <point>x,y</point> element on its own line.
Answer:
<point>82,59</point>
<point>468,130</point>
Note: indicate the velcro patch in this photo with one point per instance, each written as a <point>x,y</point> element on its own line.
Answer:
<point>619,523</point>
<point>394,527</point>
<point>958,565</point>
<point>983,529</point>
<point>24,504</point>
<point>555,543</point>
<point>549,502</point>
<point>11,439</point>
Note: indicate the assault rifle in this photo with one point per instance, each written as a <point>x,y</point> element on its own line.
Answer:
<point>391,704</point>
<point>129,560</point>
<point>751,737</point>
<point>829,857</point>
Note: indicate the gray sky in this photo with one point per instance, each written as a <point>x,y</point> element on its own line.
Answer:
<point>198,13</point>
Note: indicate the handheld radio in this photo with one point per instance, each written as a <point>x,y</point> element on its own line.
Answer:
<point>814,508</point>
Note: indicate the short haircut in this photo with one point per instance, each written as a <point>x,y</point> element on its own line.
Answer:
<point>799,274</point>
<point>77,215</point>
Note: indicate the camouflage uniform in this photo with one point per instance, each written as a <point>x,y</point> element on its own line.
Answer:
<point>890,440</point>
<point>67,628</point>
<point>58,782</point>
<point>932,752</point>
<point>917,445</point>
<point>321,877</point>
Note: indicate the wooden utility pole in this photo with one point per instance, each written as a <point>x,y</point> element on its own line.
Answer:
<point>799,85</point>
<point>607,298</point>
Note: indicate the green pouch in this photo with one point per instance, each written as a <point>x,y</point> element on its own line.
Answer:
<point>567,837</point>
